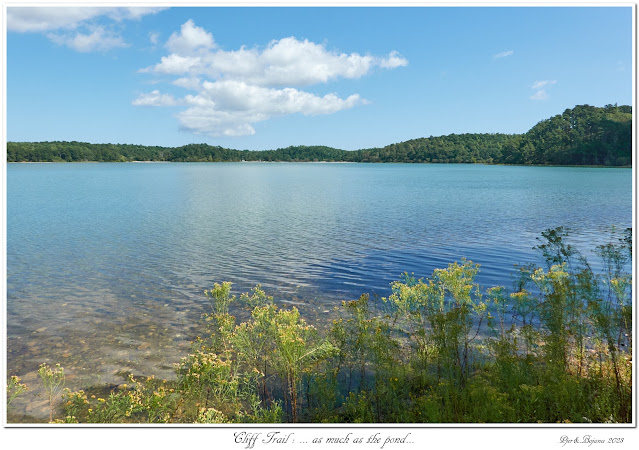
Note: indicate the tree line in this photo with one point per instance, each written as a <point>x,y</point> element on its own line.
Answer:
<point>584,135</point>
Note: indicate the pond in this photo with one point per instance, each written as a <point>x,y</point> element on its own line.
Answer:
<point>107,263</point>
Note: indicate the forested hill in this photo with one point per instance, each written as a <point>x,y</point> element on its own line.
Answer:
<point>584,135</point>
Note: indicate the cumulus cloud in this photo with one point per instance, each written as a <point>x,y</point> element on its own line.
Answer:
<point>238,96</point>
<point>33,19</point>
<point>393,60</point>
<point>230,108</point>
<point>74,27</point>
<point>133,13</point>
<point>155,98</point>
<point>235,89</point>
<point>540,88</point>
<point>188,83</point>
<point>504,54</point>
<point>175,64</point>
<point>283,62</point>
<point>97,39</point>
<point>191,40</point>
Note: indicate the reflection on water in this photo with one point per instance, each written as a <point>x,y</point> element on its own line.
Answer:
<point>107,263</point>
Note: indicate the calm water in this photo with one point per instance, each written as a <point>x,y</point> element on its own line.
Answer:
<point>106,263</point>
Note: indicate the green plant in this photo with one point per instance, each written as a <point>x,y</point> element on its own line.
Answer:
<point>445,314</point>
<point>206,380</point>
<point>220,323</point>
<point>14,389</point>
<point>297,348</point>
<point>368,346</point>
<point>53,381</point>
<point>558,350</point>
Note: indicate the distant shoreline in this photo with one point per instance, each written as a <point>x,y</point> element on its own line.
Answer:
<point>585,136</point>
<point>586,166</point>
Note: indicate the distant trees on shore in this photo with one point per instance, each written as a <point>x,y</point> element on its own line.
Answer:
<point>584,135</point>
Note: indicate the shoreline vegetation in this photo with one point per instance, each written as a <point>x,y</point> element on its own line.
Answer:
<point>582,136</point>
<point>586,166</point>
<point>555,349</point>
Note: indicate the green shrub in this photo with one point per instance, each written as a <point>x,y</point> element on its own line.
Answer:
<point>441,350</point>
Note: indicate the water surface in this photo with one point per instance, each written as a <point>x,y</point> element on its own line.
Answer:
<point>106,263</point>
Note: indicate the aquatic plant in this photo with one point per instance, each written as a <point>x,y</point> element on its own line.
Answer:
<point>555,349</point>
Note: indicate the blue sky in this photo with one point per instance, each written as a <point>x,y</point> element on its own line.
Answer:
<point>261,78</point>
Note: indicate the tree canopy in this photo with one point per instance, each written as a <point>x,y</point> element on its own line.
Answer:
<point>584,135</point>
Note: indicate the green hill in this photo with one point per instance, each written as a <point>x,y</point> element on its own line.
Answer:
<point>584,135</point>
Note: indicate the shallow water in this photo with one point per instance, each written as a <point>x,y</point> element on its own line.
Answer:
<point>107,263</point>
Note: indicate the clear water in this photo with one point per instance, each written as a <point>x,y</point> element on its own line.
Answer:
<point>107,263</point>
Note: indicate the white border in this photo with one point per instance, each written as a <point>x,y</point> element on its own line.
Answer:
<point>471,436</point>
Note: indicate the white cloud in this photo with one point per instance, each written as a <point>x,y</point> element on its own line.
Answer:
<point>33,18</point>
<point>26,19</point>
<point>74,27</point>
<point>175,65</point>
<point>133,13</point>
<point>234,89</point>
<point>504,54</point>
<point>190,41</point>
<point>202,120</point>
<point>540,88</point>
<point>539,95</point>
<point>155,98</point>
<point>97,39</point>
<point>230,108</point>
<point>188,83</point>
<point>393,60</point>
<point>154,38</point>
<point>541,84</point>
<point>287,61</point>
<point>239,96</point>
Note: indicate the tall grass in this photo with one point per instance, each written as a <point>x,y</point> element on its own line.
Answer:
<point>555,349</point>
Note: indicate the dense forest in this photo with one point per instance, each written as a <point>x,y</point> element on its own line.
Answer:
<point>584,135</point>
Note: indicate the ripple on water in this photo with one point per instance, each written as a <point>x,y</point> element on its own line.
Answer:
<point>107,263</point>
